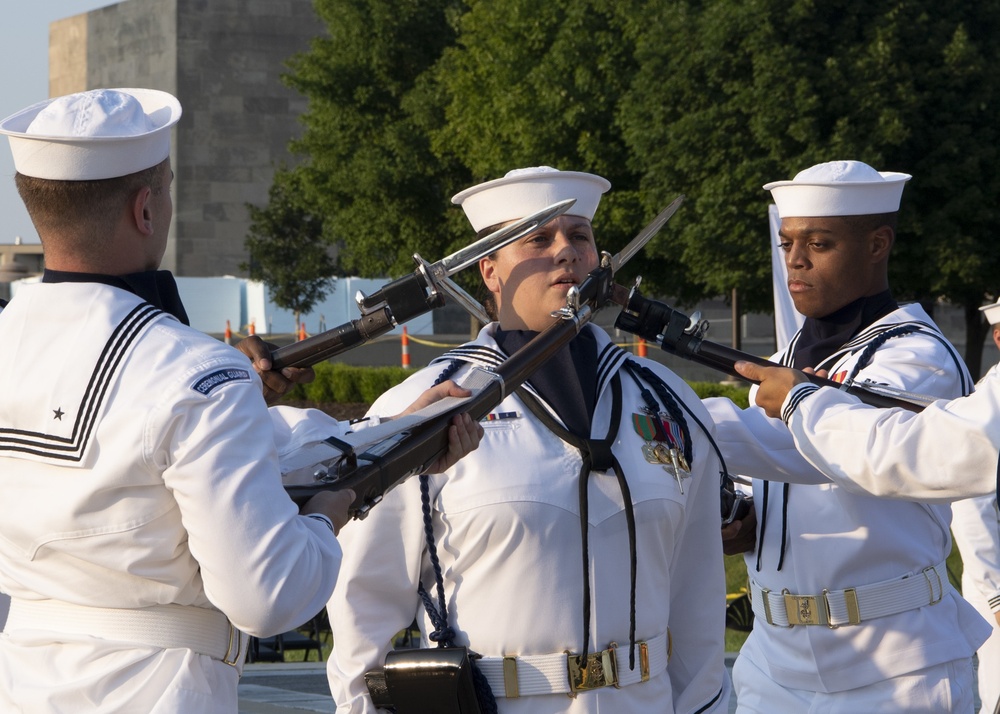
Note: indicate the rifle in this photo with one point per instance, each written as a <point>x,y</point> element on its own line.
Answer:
<point>417,440</point>
<point>683,336</point>
<point>411,296</point>
<point>409,445</point>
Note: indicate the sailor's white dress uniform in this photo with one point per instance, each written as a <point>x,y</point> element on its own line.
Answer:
<point>832,539</point>
<point>948,451</point>
<point>141,500</point>
<point>4,597</point>
<point>506,520</point>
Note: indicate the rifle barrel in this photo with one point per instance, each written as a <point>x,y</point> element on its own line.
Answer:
<point>672,330</point>
<point>325,345</point>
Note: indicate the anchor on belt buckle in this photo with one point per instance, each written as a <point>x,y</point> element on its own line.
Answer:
<point>806,609</point>
<point>600,669</point>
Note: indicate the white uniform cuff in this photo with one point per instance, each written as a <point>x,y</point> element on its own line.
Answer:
<point>324,519</point>
<point>794,397</point>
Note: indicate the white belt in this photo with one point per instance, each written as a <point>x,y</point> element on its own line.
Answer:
<point>515,676</point>
<point>199,629</point>
<point>852,606</point>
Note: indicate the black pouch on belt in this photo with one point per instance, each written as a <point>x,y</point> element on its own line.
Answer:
<point>425,681</point>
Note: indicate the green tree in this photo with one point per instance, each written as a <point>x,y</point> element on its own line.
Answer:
<point>368,168</point>
<point>411,101</point>
<point>287,250</point>
<point>729,95</point>
<point>530,84</point>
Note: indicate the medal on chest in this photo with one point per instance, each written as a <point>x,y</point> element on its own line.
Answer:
<point>664,444</point>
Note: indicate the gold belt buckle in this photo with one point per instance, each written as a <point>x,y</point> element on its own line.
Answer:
<point>806,609</point>
<point>600,669</point>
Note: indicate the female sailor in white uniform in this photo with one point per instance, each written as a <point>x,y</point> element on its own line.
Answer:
<point>563,540</point>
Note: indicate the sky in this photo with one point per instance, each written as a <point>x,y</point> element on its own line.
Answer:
<point>24,79</point>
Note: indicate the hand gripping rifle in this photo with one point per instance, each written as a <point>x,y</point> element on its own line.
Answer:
<point>409,445</point>
<point>684,336</point>
<point>411,296</point>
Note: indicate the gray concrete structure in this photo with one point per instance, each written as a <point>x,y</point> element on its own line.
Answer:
<point>223,59</point>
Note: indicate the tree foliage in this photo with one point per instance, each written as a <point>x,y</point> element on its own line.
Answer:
<point>533,84</point>
<point>752,92</point>
<point>286,248</point>
<point>412,100</point>
<point>369,169</point>
<point>760,90</point>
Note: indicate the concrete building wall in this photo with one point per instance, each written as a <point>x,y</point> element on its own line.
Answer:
<point>223,59</point>
<point>238,120</point>
<point>67,55</point>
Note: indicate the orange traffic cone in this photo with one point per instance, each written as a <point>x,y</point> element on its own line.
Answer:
<point>252,329</point>
<point>302,331</point>
<point>229,334</point>
<point>642,347</point>
<point>405,345</point>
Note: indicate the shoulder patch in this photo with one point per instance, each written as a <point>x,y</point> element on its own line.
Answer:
<point>208,383</point>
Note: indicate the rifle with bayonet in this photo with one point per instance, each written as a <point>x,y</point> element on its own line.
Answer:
<point>411,296</point>
<point>410,444</point>
<point>684,336</point>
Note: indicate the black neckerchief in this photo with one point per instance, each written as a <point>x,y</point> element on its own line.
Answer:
<point>572,399</point>
<point>821,337</point>
<point>157,287</point>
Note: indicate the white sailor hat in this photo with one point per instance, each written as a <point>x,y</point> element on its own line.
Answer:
<point>522,192</point>
<point>98,134</point>
<point>838,188</point>
<point>992,312</point>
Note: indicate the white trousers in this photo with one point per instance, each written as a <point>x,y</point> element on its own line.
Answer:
<point>942,689</point>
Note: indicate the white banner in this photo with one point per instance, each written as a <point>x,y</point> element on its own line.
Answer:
<point>787,320</point>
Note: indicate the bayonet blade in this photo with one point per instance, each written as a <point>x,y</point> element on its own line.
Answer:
<point>643,237</point>
<point>463,258</point>
<point>599,287</point>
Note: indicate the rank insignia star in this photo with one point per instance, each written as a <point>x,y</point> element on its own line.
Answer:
<point>58,413</point>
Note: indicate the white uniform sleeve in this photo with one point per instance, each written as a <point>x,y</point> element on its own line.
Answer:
<point>267,568</point>
<point>947,452</point>
<point>975,523</point>
<point>376,595</point>
<point>295,428</point>
<point>697,669</point>
<point>758,446</point>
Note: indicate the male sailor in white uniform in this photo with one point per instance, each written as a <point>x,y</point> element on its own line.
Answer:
<point>144,529</point>
<point>853,608</point>
<point>947,451</point>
